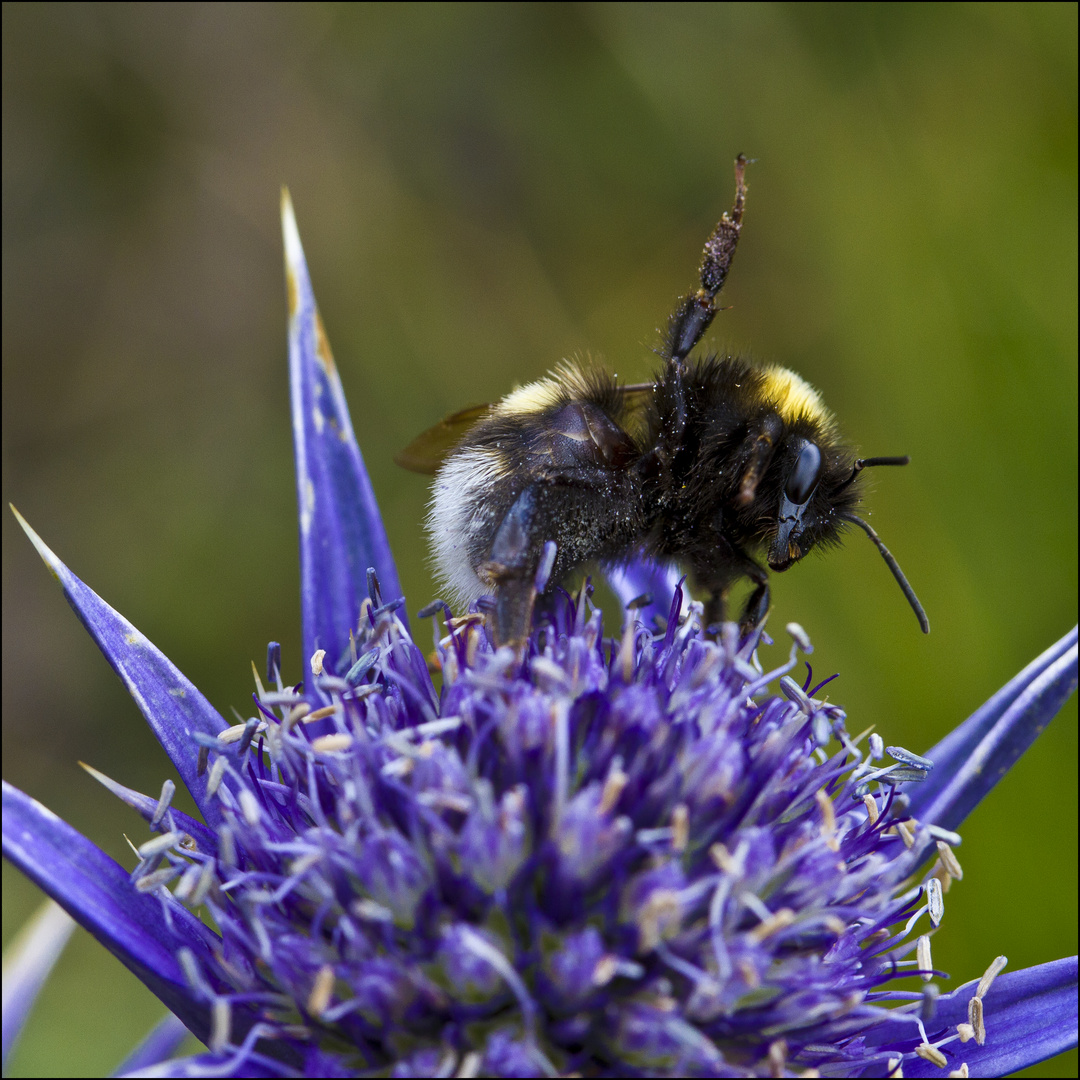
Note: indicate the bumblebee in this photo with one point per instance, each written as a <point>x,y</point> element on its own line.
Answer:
<point>713,462</point>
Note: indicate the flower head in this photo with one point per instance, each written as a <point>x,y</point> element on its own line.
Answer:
<point>613,856</point>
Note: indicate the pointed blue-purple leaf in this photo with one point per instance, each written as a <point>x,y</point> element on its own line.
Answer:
<point>205,839</point>
<point>1029,1015</point>
<point>28,960</point>
<point>970,761</point>
<point>173,707</point>
<point>159,1044</point>
<point>639,576</point>
<point>99,895</point>
<point>341,530</point>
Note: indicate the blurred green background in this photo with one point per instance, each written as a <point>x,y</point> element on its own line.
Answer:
<point>483,190</point>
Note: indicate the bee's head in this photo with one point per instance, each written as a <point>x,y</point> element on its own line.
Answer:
<point>815,500</point>
<point>804,512</point>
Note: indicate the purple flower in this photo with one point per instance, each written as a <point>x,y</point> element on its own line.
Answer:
<point>621,856</point>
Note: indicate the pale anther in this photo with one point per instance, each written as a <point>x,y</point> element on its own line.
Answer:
<point>159,844</point>
<point>934,901</point>
<point>777,1057</point>
<point>922,953</point>
<point>908,757</point>
<point>319,998</point>
<point>232,734</point>
<point>330,744</point>
<point>932,1054</point>
<point>470,1066</point>
<point>221,1024</point>
<point>990,975</point>
<point>781,920</point>
<point>800,637</point>
<point>906,833</point>
<point>949,860</point>
<point>975,1019</point>
<point>680,827</point>
<point>157,879</point>
<point>217,771</point>
<point>794,693</point>
<point>249,807</point>
<point>168,789</point>
<point>613,787</point>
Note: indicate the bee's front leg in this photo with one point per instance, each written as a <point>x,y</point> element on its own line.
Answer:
<point>721,574</point>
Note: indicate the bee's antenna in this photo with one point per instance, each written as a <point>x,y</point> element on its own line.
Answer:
<point>865,463</point>
<point>887,555</point>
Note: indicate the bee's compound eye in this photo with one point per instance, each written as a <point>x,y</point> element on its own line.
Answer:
<point>804,477</point>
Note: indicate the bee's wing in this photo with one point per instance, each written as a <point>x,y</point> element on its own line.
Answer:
<point>635,395</point>
<point>428,451</point>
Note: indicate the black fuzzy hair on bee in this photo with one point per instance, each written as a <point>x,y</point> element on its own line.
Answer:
<point>713,461</point>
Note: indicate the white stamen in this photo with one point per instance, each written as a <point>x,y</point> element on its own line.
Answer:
<point>470,1066</point>
<point>331,744</point>
<point>949,860</point>
<point>780,920</point>
<point>922,953</point>
<point>990,975</point>
<point>321,991</point>
<point>680,827</point>
<point>157,879</point>
<point>828,820</point>
<point>613,787</point>
<point>953,839</point>
<point>975,1019</point>
<point>168,789</point>
<point>221,1024</point>
<point>159,844</point>
<point>549,670</point>
<point>371,911</point>
<point>561,721</point>
<point>217,771</point>
<point>309,717</point>
<point>932,1054</point>
<point>249,807</point>
<point>935,902</point>
<point>206,881</point>
<point>188,881</point>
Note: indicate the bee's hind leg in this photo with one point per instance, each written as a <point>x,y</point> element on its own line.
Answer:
<point>511,572</point>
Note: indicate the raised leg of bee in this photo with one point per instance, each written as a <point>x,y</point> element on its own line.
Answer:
<point>695,312</point>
